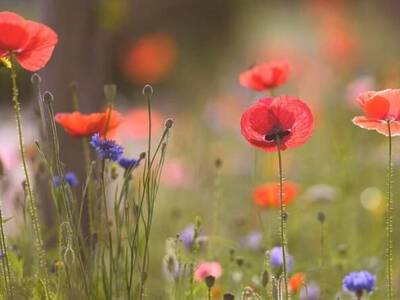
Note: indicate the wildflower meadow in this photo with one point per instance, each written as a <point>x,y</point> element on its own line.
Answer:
<point>191,150</point>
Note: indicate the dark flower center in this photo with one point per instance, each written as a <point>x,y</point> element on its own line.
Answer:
<point>276,134</point>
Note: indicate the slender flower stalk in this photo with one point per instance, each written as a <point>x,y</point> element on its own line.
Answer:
<point>282,209</point>
<point>147,92</point>
<point>389,221</point>
<point>28,188</point>
<point>5,263</point>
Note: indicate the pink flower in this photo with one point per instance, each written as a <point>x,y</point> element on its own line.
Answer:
<point>204,269</point>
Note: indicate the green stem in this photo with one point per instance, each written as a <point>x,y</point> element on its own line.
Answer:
<point>110,252</point>
<point>28,187</point>
<point>389,222</point>
<point>5,262</point>
<point>282,221</point>
<point>322,267</point>
<point>147,188</point>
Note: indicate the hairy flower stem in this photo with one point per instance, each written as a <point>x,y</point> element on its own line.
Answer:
<point>28,188</point>
<point>282,220</point>
<point>389,221</point>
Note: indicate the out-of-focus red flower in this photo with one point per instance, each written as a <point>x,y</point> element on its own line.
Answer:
<point>150,58</point>
<point>206,268</point>
<point>285,120</point>
<point>265,76</point>
<point>296,281</point>
<point>380,108</point>
<point>267,195</point>
<point>136,124</point>
<point>32,43</point>
<point>338,37</point>
<point>340,43</point>
<point>78,125</point>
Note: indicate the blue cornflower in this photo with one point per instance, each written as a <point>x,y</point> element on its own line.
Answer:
<point>276,258</point>
<point>106,148</point>
<point>128,163</point>
<point>69,178</point>
<point>358,282</point>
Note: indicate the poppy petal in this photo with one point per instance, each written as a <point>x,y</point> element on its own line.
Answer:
<point>377,108</point>
<point>39,48</point>
<point>14,35</point>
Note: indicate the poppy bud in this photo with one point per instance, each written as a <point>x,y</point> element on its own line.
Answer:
<point>147,91</point>
<point>240,260</point>
<point>321,217</point>
<point>168,123</point>
<point>210,280</point>
<point>142,155</point>
<point>36,79</point>
<point>48,98</point>
<point>265,278</point>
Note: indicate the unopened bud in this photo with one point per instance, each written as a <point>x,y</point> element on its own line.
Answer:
<point>321,217</point>
<point>168,123</point>
<point>147,91</point>
<point>210,280</point>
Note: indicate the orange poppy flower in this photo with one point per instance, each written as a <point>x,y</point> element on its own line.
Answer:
<point>380,108</point>
<point>296,281</point>
<point>267,195</point>
<point>77,124</point>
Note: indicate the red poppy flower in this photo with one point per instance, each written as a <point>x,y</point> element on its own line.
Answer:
<point>267,195</point>
<point>296,281</point>
<point>150,59</point>
<point>32,43</point>
<point>380,108</point>
<point>265,76</point>
<point>283,119</point>
<point>77,124</point>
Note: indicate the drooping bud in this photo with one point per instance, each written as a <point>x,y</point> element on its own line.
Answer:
<point>147,91</point>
